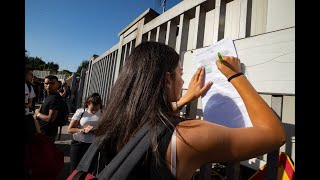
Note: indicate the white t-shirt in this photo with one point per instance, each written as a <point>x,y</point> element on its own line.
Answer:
<point>28,95</point>
<point>87,119</point>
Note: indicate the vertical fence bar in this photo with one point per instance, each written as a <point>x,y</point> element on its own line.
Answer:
<point>182,39</point>
<point>272,158</point>
<point>171,34</point>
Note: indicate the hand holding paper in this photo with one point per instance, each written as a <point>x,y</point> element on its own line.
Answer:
<point>222,103</point>
<point>230,66</point>
<point>196,88</point>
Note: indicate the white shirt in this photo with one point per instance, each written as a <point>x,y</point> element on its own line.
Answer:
<point>28,95</point>
<point>87,119</point>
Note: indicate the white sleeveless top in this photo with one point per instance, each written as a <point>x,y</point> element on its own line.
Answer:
<point>173,153</point>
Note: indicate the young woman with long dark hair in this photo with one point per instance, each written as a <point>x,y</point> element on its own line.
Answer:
<point>149,83</point>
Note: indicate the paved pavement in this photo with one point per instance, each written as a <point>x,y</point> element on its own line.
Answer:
<point>64,145</point>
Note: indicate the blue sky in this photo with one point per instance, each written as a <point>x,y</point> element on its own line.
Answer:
<point>67,32</point>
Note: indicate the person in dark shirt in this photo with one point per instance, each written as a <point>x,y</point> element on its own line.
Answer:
<point>49,111</point>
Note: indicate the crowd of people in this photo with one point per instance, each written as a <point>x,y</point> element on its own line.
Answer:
<point>148,91</point>
<point>42,120</point>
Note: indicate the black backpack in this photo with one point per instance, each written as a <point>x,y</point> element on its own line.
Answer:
<point>121,166</point>
<point>63,114</point>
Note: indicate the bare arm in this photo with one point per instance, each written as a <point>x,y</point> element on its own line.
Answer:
<point>36,123</point>
<point>195,90</point>
<point>72,128</point>
<point>215,143</point>
<point>267,132</point>
<point>48,118</point>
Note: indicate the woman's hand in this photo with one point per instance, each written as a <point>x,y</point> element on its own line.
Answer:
<point>88,128</point>
<point>196,87</point>
<point>231,65</point>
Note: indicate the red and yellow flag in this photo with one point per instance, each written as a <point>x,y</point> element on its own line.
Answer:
<point>285,169</point>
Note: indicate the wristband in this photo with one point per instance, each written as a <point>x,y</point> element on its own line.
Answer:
<point>234,76</point>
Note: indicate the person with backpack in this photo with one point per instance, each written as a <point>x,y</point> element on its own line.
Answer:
<point>31,125</point>
<point>82,126</point>
<point>143,98</point>
<point>52,111</point>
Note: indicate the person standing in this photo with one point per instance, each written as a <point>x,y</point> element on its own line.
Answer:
<point>64,92</point>
<point>31,126</point>
<point>50,110</point>
<point>82,126</point>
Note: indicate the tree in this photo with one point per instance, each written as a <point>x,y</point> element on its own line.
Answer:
<point>67,72</point>
<point>52,66</point>
<point>35,63</point>
<point>84,64</point>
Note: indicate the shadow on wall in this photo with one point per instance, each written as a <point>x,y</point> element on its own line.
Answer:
<point>290,130</point>
<point>223,110</point>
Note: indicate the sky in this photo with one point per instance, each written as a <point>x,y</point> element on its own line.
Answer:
<point>68,32</point>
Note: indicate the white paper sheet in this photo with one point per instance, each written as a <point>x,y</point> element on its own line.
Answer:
<point>222,103</point>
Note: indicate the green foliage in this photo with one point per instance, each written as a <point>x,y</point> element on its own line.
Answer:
<point>67,72</point>
<point>52,66</point>
<point>84,64</point>
<point>36,63</point>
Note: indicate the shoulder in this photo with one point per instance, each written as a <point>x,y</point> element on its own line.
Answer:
<point>201,141</point>
<point>80,110</point>
<point>195,128</point>
<point>77,114</point>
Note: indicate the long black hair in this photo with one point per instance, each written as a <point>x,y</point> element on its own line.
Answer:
<point>139,95</point>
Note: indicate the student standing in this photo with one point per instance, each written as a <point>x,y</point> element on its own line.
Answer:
<point>82,126</point>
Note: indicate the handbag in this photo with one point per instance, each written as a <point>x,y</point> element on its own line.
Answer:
<point>42,158</point>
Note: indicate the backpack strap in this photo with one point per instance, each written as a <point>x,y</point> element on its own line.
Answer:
<point>88,157</point>
<point>173,153</point>
<point>84,109</point>
<point>124,162</point>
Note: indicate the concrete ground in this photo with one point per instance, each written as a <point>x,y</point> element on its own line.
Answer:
<point>64,145</point>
